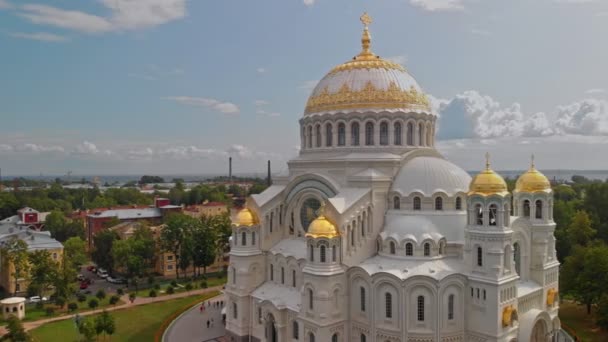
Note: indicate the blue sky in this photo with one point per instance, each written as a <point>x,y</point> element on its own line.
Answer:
<point>175,86</point>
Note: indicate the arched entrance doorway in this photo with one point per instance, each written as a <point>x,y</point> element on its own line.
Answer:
<point>539,332</point>
<point>271,329</point>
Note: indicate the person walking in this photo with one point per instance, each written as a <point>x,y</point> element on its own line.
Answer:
<point>207,324</point>
<point>202,308</point>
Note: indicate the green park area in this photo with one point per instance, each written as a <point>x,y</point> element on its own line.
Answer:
<point>140,323</point>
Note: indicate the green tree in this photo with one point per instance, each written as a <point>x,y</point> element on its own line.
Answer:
<point>87,329</point>
<point>174,234</point>
<point>135,256</point>
<point>16,331</point>
<point>43,270</point>
<point>585,273</point>
<point>74,256</point>
<point>102,253</point>
<point>205,238</point>
<point>55,223</point>
<point>104,324</point>
<point>580,231</point>
<point>602,312</point>
<point>15,252</point>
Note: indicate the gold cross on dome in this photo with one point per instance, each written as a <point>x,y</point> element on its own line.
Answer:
<point>532,161</point>
<point>366,19</point>
<point>487,160</point>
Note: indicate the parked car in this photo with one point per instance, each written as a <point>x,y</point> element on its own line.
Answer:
<point>80,277</point>
<point>83,285</point>
<point>116,280</point>
<point>102,273</point>
<point>92,268</point>
<point>36,299</point>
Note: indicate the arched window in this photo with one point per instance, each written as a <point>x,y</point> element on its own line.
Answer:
<point>428,135</point>
<point>410,134</point>
<point>420,134</point>
<point>538,212</point>
<point>341,134</point>
<point>396,202</point>
<point>484,294</point>
<point>479,256</point>
<point>369,134</point>
<point>507,259</point>
<point>296,330</point>
<point>271,221</point>
<point>310,299</point>
<point>293,278</point>
<point>233,275</point>
<point>271,272</point>
<point>333,253</point>
<point>253,238</point>
<point>409,249</point>
<point>363,338</point>
<point>334,338</point>
<point>388,305</point>
<point>427,249</point>
<point>311,251</point>
<point>235,311</point>
<point>309,138</point>
<point>526,208</point>
<point>329,135</point>
<point>318,135</point>
<point>438,203</point>
<point>517,257</point>
<point>354,134</point>
<point>384,133</point>
<point>392,247</point>
<point>243,239</point>
<point>493,212</point>
<point>479,215</point>
<point>283,275</point>
<point>417,204</point>
<point>352,237</point>
<point>441,247</point>
<point>458,203</point>
<point>420,307</point>
<point>397,133</point>
<point>322,252</point>
<point>451,307</point>
<point>362,298</point>
<point>311,337</point>
<point>303,137</point>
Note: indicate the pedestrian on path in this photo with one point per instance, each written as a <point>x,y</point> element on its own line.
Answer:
<point>202,308</point>
<point>207,324</point>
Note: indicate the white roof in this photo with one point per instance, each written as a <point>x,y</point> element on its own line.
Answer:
<point>526,287</point>
<point>280,296</point>
<point>126,214</point>
<point>12,300</point>
<point>35,240</point>
<point>404,268</point>
<point>346,198</point>
<point>419,226</point>
<point>290,247</point>
<point>268,194</point>
<point>429,175</point>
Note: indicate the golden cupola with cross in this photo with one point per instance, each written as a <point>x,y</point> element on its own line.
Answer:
<point>532,181</point>
<point>367,82</point>
<point>488,182</point>
<point>321,227</point>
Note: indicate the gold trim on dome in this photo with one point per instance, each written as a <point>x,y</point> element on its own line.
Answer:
<point>532,181</point>
<point>488,182</point>
<point>321,227</point>
<point>244,217</point>
<point>368,97</point>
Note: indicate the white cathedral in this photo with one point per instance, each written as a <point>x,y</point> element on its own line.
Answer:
<point>374,236</point>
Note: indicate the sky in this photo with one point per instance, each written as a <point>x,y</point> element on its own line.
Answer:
<point>102,87</point>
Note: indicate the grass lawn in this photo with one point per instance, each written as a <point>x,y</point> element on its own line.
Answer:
<point>575,317</point>
<point>180,286</point>
<point>139,323</point>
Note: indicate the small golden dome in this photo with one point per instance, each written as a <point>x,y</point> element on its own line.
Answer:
<point>488,182</point>
<point>532,181</point>
<point>322,227</point>
<point>244,218</point>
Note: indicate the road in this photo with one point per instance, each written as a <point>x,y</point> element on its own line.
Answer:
<point>191,326</point>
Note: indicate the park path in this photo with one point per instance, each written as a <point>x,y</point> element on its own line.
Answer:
<point>191,326</point>
<point>125,298</point>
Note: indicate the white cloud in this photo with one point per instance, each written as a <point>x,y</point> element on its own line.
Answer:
<point>596,91</point>
<point>40,36</point>
<point>4,4</point>
<point>223,107</point>
<point>587,117</point>
<point>401,59</point>
<point>438,5</point>
<point>6,148</point>
<point>261,70</point>
<point>36,148</point>
<point>261,102</point>
<point>88,148</point>
<point>124,15</point>
<point>309,2</point>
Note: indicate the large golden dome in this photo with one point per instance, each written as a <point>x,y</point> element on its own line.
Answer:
<point>322,227</point>
<point>532,181</point>
<point>367,82</point>
<point>488,182</point>
<point>244,218</point>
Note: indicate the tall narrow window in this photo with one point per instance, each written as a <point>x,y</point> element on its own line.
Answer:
<point>417,204</point>
<point>451,307</point>
<point>479,256</point>
<point>296,330</point>
<point>428,135</point>
<point>441,248</point>
<point>310,299</point>
<point>363,338</point>
<point>293,278</point>
<point>334,338</point>
<point>384,133</point>
<point>309,138</point>
<point>341,134</point>
<point>410,134</point>
<point>409,249</point>
<point>479,215</point>
<point>427,249</point>
<point>322,252</point>
<point>244,239</point>
<point>352,237</point>
<point>354,134</point>
<point>438,203</point>
<point>253,238</point>
<point>517,257</point>
<point>311,250</point>
<point>458,203</point>
<point>369,134</point>
<point>271,272</point>
<point>493,215</point>
<point>283,275</point>
<point>397,133</point>
<point>420,302</point>
<point>233,275</point>
<point>484,294</point>
<point>304,137</point>
<point>538,212</point>
<point>311,337</point>
<point>271,221</point>
<point>420,135</point>
<point>329,135</point>
<point>318,135</point>
<point>396,202</point>
<point>362,298</point>
<point>392,247</point>
<point>333,253</point>
<point>526,208</point>
<point>259,315</point>
<point>235,311</point>
<point>388,302</point>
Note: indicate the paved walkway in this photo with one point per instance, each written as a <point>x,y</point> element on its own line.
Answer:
<point>124,298</point>
<point>191,326</point>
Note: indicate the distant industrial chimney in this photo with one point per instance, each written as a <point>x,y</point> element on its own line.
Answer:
<point>230,170</point>
<point>269,179</point>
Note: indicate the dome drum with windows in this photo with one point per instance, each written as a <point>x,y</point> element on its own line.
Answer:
<point>244,217</point>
